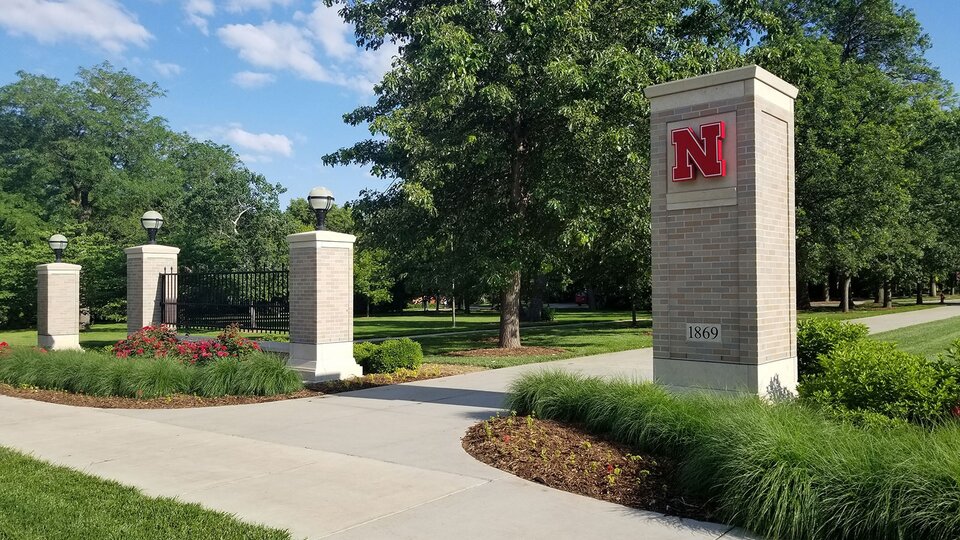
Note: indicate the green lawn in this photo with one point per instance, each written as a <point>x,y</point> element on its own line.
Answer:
<point>577,341</point>
<point>408,323</point>
<point>867,310</point>
<point>41,501</point>
<point>929,339</point>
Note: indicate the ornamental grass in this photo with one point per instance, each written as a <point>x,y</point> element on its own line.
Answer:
<point>782,470</point>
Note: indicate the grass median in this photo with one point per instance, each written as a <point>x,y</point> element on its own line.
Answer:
<point>42,501</point>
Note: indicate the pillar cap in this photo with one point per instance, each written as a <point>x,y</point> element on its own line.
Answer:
<point>152,248</point>
<point>58,268</point>
<point>722,77</point>
<point>314,237</point>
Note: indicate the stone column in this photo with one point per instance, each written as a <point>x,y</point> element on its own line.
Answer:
<point>58,306</point>
<point>321,305</point>
<point>144,266</point>
<point>722,198</point>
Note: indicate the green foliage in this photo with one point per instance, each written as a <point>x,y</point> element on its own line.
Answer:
<point>99,374</point>
<point>363,351</point>
<point>818,336</point>
<point>390,356</point>
<point>40,501</point>
<point>876,377</point>
<point>780,470</point>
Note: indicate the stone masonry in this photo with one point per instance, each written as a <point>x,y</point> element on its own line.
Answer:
<point>58,306</point>
<point>321,305</point>
<point>724,248</point>
<point>144,266</point>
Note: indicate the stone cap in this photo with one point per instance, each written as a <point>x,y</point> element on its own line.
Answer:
<point>152,249</point>
<point>315,237</point>
<point>58,268</point>
<point>723,77</point>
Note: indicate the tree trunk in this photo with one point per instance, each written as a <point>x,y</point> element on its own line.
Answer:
<point>510,314</point>
<point>919,292</point>
<point>426,302</point>
<point>466,305</point>
<point>535,307</point>
<point>803,296</point>
<point>436,308</point>
<point>845,302</point>
<point>887,294</point>
<point>591,300</point>
<point>933,286</point>
<point>368,306</point>
<point>633,314</point>
<point>878,296</point>
<point>826,291</point>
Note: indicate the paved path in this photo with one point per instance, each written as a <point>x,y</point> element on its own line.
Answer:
<point>378,463</point>
<point>883,323</point>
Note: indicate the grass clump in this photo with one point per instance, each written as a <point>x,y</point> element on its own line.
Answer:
<point>41,501</point>
<point>99,374</point>
<point>782,470</point>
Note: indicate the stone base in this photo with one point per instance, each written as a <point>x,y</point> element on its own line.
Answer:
<point>773,379</point>
<point>324,361</point>
<point>59,343</point>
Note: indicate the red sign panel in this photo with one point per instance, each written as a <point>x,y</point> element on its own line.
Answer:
<point>704,152</point>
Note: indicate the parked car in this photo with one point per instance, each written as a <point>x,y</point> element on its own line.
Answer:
<point>581,298</point>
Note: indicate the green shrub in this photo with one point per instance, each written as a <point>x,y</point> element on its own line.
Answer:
<point>363,351</point>
<point>874,377</point>
<point>782,470</point>
<point>818,336</point>
<point>392,355</point>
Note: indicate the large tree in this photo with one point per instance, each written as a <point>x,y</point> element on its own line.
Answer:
<point>509,125</point>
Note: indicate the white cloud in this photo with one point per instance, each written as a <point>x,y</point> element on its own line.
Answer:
<point>167,69</point>
<point>252,79</point>
<point>105,22</point>
<point>276,46</point>
<point>247,5</point>
<point>198,11</point>
<point>293,46</point>
<point>261,144</point>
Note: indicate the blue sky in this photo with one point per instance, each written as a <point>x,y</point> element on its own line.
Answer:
<point>272,78</point>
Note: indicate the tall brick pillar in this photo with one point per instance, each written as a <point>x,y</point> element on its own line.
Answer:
<point>722,197</point>
<point>321,305</point>
<point>58,306</point>
<point>144,266</point>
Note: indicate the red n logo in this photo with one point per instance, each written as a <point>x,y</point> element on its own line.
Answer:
<point>705,151</point>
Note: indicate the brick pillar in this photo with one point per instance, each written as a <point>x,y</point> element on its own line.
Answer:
<point>58,306</point>
<point>321,305</point>
<point>144,266</point>
<point>724,291</point>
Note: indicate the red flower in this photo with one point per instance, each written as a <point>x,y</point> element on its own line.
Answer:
<point>506,438</point>
<point>609,468</point>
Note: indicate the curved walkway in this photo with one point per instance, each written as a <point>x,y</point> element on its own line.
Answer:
<point>378,463</point>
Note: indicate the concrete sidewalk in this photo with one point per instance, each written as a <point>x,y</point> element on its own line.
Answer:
<point>378,463</point>
<point>884,323</point>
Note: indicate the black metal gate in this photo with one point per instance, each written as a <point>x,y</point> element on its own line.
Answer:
<point>254,300</point>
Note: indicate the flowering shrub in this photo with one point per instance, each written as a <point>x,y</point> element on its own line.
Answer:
<point>235,344</point>
<point>161,342</point>
<point>4,347</point>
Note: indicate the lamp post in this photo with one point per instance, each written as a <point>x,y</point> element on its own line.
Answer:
<point>58,243</point>
<point>321,200</point>
<point>151,221</point>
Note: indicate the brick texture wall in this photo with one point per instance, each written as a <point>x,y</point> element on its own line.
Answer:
<point>58,300</point>
<point>730,265</point>
<point>321,292</point>
<point>144,266</point>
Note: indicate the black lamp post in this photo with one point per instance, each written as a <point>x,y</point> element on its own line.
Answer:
<point>58,243</point>
<point>151,221</point>
<point>321,200</point>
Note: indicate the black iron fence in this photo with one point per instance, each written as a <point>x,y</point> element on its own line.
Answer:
<point>255,300</point>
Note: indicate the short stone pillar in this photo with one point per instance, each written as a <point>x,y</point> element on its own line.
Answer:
<point>144,266</point>
<point>723,240</point>
<point>58,306</point>
<point>321,305</point>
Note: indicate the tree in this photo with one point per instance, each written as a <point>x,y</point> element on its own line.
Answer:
<point>504,122</point>
<point>372,278</point>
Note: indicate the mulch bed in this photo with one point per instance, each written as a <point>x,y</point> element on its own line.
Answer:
<point>515,351</point>
<point>183,401</point>
<point>565,457</point>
